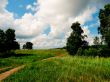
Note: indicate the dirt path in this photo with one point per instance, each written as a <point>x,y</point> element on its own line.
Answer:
<point>10,72</point>
<point>53,57</point>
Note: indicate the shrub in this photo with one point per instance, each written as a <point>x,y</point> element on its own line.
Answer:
<point>105,52</point>
<point>89,52</point>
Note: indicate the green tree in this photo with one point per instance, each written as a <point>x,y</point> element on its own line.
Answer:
<point>24,46</point>
<point>74,42</point>
<point>96,41</point>
<point>2,41</point>
<point>104,29</point>
<point>7,40</point>
<point>28,45</point>
<point>11,44</point>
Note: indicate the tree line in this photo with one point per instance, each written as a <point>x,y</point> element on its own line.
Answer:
<point>8,41</point>
<point>77,45</point>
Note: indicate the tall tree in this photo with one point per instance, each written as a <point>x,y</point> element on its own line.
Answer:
<point>2,41</point>
<point>104,29</point>
<point>75,39</point>
<point>10,38</point>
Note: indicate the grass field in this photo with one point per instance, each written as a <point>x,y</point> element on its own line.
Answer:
<point>60,69</point>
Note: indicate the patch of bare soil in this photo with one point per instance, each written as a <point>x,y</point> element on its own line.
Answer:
<point>10,72</point>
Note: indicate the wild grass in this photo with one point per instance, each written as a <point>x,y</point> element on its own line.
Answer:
<point>65,69</point>
<point>27,56</point>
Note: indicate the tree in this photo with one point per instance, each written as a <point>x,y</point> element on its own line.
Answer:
<point>11,44</point>
<point>104,29</point>
<point>7,40</point>
<point>24,46</point>
<point>28,45</point>
<point>96,41</point>
<point>74,42</point>
<point>2,41</point>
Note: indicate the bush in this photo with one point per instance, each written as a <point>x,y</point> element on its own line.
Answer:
<point>105,52</point>
<point>7,54</point>
<point>89,52</point>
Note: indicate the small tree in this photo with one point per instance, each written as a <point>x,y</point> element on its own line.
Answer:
<point>28,45</point>
<point>96,41</point>
<point>74,42</point>
<point>24,46</point>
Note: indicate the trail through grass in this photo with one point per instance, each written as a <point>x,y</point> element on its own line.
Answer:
<point>63,69</point>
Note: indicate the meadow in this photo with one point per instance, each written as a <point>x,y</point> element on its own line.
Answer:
<point>56,69</point>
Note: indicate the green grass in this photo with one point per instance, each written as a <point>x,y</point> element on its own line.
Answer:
<point>64,69</point>
<point>27,56</point>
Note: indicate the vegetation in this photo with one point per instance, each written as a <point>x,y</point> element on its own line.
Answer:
<point>27,56</point>
<point>96,41</point>
<point>74,42</point>
<point>104,28</point>
<point>28,45</point>
<point>89,64</point>
<point>63,69</point>
<point>7,41</point>
<point>76,45</point>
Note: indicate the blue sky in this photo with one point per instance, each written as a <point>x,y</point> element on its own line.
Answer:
<point>18,7</point>
<point>47,23</point>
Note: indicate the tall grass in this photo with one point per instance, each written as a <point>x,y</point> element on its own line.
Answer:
<point>27,56</point>
<point>65,69</point>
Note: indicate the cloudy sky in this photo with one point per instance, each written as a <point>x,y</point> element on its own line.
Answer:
<point>46,23</point>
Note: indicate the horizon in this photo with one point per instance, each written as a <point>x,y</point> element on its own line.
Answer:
<point>47,23</point>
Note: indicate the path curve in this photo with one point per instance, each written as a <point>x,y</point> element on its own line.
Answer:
<point>58,56</point>
<point>10,72</point>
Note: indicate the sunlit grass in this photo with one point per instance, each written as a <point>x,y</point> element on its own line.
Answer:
<point>62,69</point>
<point>28,56</point>
<point>65,69</point>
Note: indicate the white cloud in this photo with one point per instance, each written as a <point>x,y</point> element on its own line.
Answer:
<point>29,7</point>
<point>59,14</point>
<point>5,16</point>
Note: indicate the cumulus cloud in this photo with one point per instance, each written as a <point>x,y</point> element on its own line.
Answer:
<point>58,14</point>
<point>5,16</point>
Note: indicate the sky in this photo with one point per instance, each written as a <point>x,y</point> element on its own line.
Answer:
<point>47,23</point>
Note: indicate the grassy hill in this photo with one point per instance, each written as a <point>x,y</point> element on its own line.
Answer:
<point>56,68</point>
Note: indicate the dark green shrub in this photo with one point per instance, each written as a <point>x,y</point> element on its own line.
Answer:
<point>89,52</point>
<point>105,52</point>
<point>80,52</point>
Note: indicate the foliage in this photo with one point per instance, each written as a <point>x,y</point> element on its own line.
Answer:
<point>2,41</point>
<point>75,39</point>
<point>88,52</point>
<point>104,28</point>
<point>105,52</point>
<point>28,45</point>
<point>7,40</point>
<point>96,41</point>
